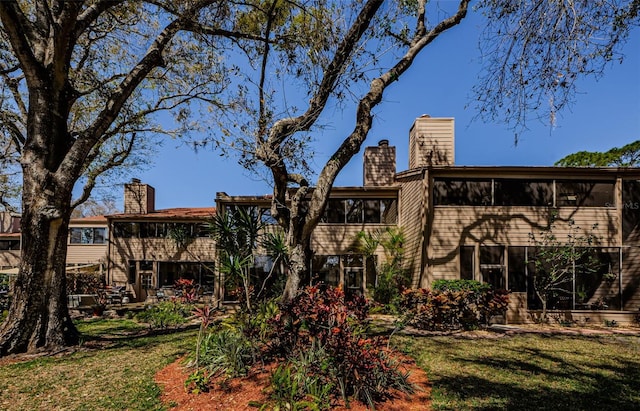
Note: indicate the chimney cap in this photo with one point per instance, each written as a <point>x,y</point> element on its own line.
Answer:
<point>135,180</point>
<point>425,116</point>
<point>383,143</point>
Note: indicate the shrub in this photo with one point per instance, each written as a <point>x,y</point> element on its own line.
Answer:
<point>453,305</point>
<point>226,351</point>
<point>165,314</point>
<point>324,323</point>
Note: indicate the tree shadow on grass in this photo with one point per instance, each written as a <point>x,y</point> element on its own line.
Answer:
<point>526,377</point>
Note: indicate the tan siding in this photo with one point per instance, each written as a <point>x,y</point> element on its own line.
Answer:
<point>455,226</point>
<point>379,165</point>
<point>86,253</point>
<point>631,278</point>
<point>410,222</point>
<point>431,142</point>
<point>335,239</point>
<point>9,258</point>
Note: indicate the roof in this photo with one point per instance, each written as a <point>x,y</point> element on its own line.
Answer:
<point>196,213</point>
<point>89,220</point>
<point>593,173</point>
<point>10,236</point>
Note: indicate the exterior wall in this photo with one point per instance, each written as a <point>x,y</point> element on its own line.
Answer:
<point>412,221</point>
<point>123,250</point>
<point>9,258</point>
<point>379,165</point>
<point>454,226</point>
<point>630,279</point>
<point>337,239</point>
<point>138,198</point>
<point>431,142</point>
<point>9,223</point>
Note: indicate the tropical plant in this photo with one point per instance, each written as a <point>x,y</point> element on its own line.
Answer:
<point>391,277</point>
<point>557,261</point>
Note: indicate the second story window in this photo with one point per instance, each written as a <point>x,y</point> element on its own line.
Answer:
<point>88,235</point>
<point>361,210</point>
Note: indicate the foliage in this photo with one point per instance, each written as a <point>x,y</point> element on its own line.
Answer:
<point>391,278</point>
<point>464,305</point>
<point>197,382</point>
<point>625,156</point>
<point>460,285</point>
<point>325,323</point>
<point>226,351</point>
<point>165,314</point>
<point>239,232</point>
<point>84,283</point>
<point>187,288</point>
<point>556,261</point>
<point>294,387</point>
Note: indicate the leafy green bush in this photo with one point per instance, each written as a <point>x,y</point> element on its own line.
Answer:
<point>226,351</point>
<point>460,285</point>
<point>165,314</point>
<point>454,305</point>
<point>323,322</point>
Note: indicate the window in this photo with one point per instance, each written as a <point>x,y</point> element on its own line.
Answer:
<point>474,192</point>
<point>9,245</point>
<point>517,261</point>
<point>326,269</point>
<point>467,266</point>
<point>355,210</point>
<point>87,235</point>
<point>334,212</point>
<point>361,210</point>
<point>126,230</point>
<point>585,194</point>
<point>132,272</point>
<point>266,217</point>
<point>523,193</point>
<point>492,265</point>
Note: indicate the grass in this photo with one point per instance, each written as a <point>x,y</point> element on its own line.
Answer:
<point>526,372</point>
<point>118,377</point>
<point>530,372</point>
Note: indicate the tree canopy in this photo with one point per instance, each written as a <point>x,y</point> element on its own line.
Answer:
<point>625,156</point>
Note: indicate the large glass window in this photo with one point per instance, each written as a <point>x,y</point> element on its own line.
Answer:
<point>585,194</point>
<point>517,262</point>
<point>88,235</point>
<point>492,265</point>
<point>361,210</point>
<point>474,192</point>
<point>467,266</point>
<point>9,245</point>
<point>326,269</point>
<point>523,193</point>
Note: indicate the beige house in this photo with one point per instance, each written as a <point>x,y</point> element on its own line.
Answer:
<point>459,222</point>
<point>150,249</point>
<point>476,223</point>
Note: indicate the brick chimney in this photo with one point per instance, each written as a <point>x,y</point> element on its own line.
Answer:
<point>139,198</point>
<point>379,165</point>
<point>431,142</point>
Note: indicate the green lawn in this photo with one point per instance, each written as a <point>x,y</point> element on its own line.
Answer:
<point>530,372</point>
<point>527,372</point>
<point>117,377</point>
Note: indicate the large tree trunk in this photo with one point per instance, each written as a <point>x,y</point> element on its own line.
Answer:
<point>296,270</point>
<point>38,317</point>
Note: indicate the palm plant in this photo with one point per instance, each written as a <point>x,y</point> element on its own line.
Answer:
<point>237,231</point>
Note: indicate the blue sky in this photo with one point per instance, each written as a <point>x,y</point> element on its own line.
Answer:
<point>605,115</point>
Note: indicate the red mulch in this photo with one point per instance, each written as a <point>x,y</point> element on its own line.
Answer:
<point>238,392</point>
